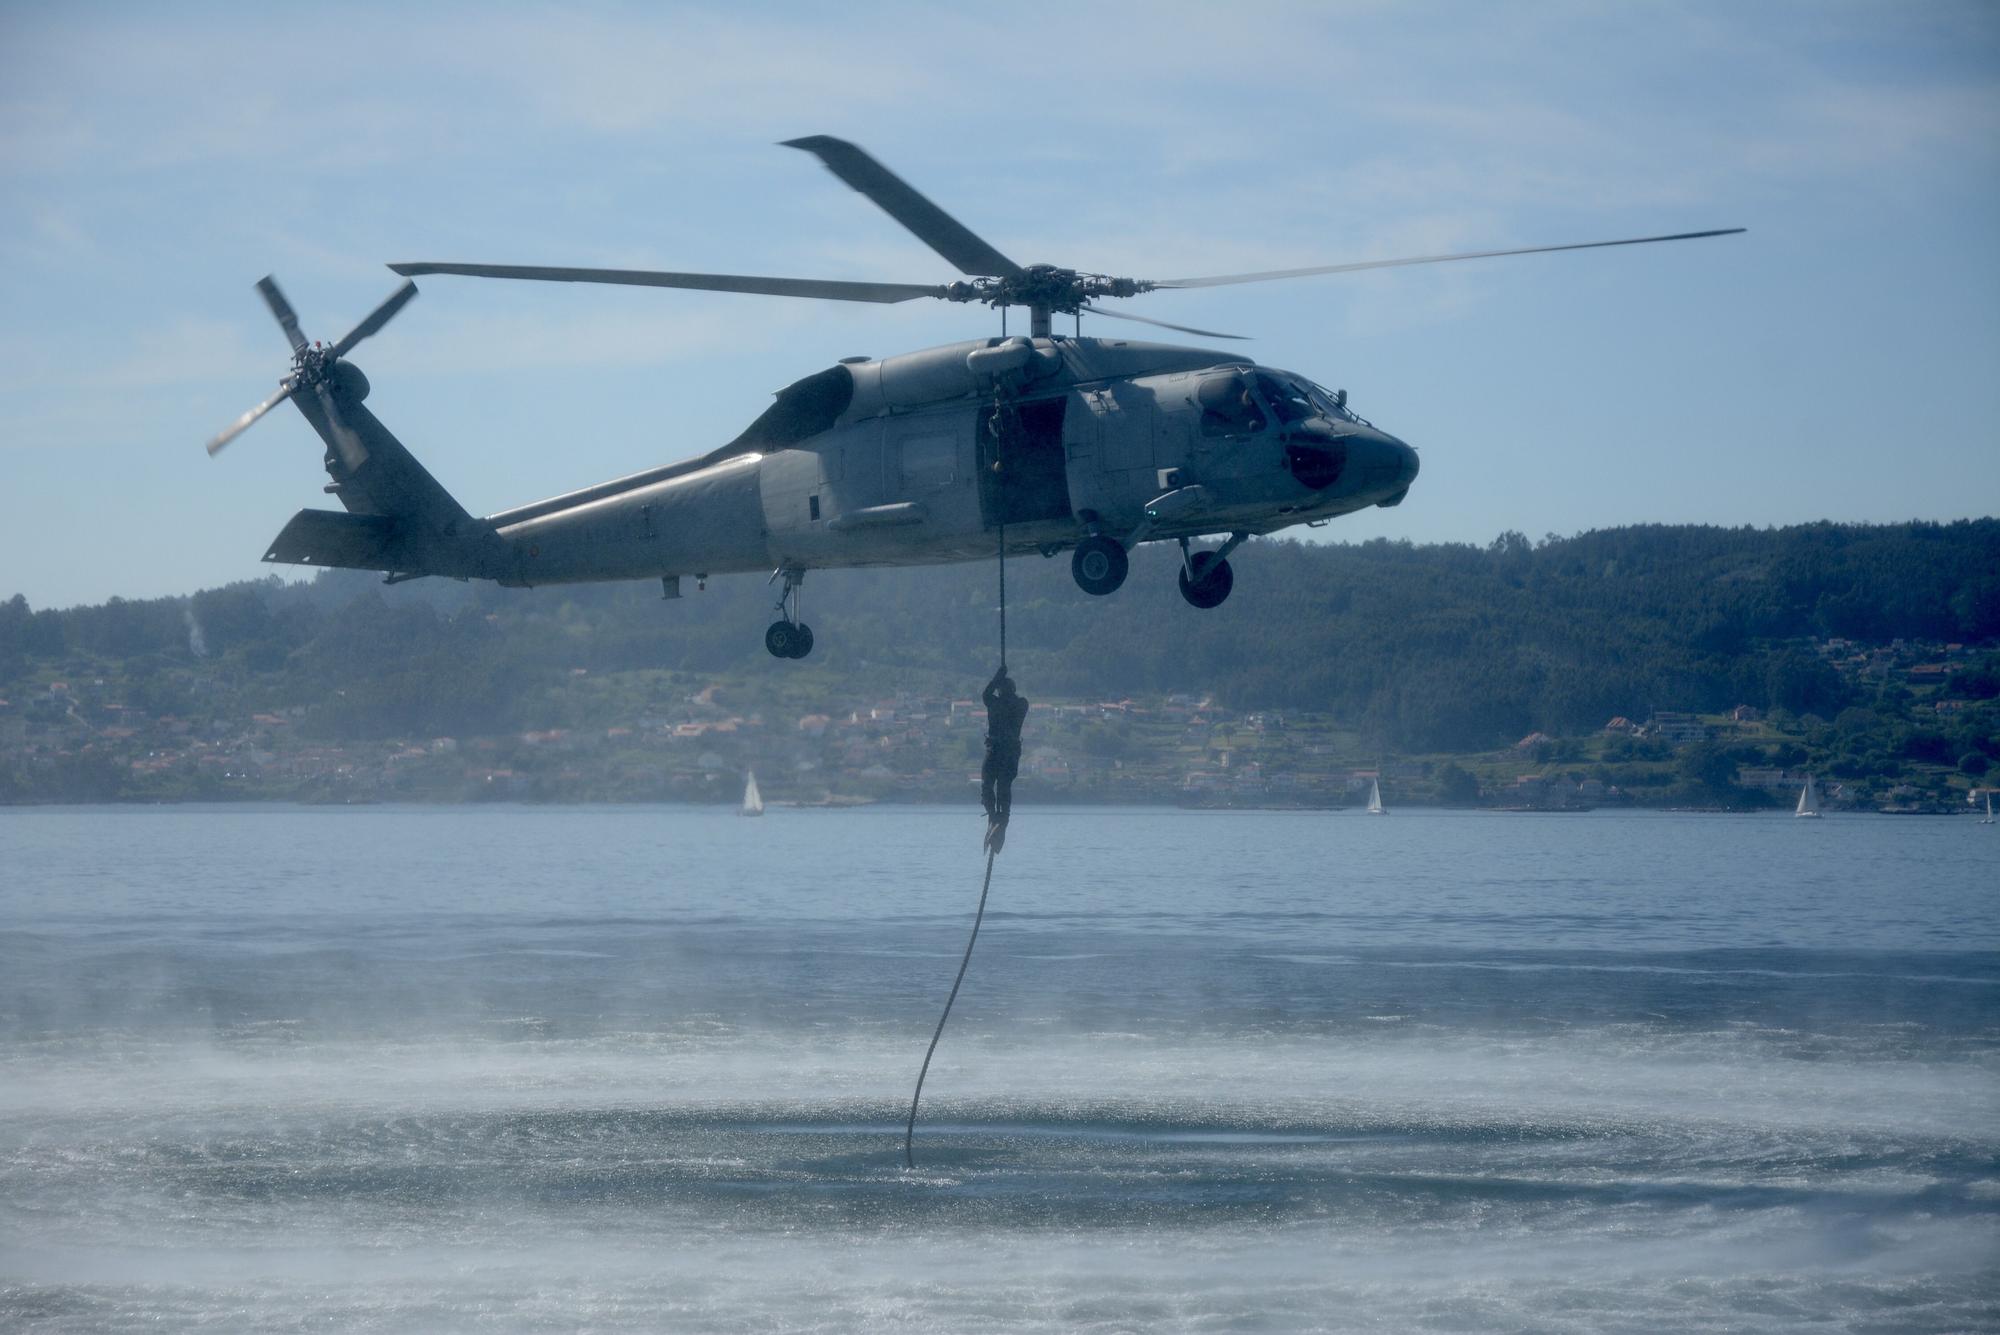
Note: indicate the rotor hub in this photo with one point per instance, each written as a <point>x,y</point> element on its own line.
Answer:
<point>1045,287</point>
<point>310,364</point>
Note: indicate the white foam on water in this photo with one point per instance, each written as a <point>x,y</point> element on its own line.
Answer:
<point>1729,1077</point>
<point>1308,1278</point>
<point>750,1181</point>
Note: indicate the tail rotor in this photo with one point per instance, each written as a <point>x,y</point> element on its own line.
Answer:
<point>314,367</point>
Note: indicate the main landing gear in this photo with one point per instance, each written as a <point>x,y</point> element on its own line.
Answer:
<point>789,637</point>
<point>1099,564</point>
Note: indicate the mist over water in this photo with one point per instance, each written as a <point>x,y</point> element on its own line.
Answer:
<point>642,1068</point>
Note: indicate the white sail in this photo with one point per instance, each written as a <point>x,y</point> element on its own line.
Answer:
<point>1989,810</point>
<point>1808,799</point>
<point>1375,807</point>
<point>753,801</point>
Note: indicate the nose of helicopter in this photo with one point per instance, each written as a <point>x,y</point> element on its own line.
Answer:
<point>1407,464</point>
<point>1385,464</point>
<point>1363,461</point>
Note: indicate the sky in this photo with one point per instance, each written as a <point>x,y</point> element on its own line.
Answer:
<point>1836,362</point>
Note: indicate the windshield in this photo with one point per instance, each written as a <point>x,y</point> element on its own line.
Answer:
<point>1333,405</point>
<point>1289,401</point>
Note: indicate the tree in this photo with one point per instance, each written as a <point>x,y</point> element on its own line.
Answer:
<point>1977,607</point>
<point>1802,682</point>
<point>1456,785</point>
<point>1980,683</point>
<point>1707,765</point>
<point>1928,748</point>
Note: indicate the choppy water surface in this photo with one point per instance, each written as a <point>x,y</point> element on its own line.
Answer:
<point>519,1069</point>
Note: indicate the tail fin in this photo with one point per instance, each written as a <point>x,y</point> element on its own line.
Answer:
<point>399,519</point>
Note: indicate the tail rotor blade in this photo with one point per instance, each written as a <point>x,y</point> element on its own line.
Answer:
<point>288,319</point>
<point>242,424</point>
<point>380,316</point>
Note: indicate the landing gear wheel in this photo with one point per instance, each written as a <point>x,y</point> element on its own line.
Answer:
<point>789,637</point>
<point>1213,579</point>
<point>1099,565</point>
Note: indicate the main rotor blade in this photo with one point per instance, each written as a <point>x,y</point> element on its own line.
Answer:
<point>346,444</point>
<point>896,197</point>
<point>288,319</point>
<point>1140,319</point>
<point>242,424</point>
<point>378,317</point>
<point>824,289</point>
<point>1221,280</point>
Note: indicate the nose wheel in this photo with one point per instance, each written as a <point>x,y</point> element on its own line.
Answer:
<point>789,637</point>
<point>1206,578</point>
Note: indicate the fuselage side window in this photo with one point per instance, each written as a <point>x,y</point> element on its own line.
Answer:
<point>929,462</point>
<point>1228,408</point>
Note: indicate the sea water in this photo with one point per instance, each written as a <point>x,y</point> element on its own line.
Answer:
<point>525,1068</point>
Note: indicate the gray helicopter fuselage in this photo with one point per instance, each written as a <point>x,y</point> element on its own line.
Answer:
<point>907,460</point>
<point>1022,444</point>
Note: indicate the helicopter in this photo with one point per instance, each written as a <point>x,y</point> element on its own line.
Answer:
<point>1036,443</point>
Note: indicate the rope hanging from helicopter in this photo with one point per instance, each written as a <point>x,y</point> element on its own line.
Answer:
<point>1003,585</point>
<point>998,424</point>
<point>1004,422</point>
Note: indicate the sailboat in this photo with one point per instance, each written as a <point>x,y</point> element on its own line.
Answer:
<point>753,801</point>
<point>1989,808</point>
<point>1375,807</point>
<point>1808,808</point>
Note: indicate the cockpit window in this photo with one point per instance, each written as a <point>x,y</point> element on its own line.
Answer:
<point>1289,401</point>
<point>1228,408</point>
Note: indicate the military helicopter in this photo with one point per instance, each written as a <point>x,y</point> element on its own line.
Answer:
<point>1036,443</point>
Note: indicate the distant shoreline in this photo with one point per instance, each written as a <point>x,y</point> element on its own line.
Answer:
<point>905,803</point>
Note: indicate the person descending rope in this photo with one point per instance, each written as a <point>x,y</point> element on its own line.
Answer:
<point>1006,711</point>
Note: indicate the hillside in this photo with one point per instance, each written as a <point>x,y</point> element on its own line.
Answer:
<point>1867,648</point>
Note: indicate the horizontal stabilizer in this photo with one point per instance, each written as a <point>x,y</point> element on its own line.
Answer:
<point>334,538</point>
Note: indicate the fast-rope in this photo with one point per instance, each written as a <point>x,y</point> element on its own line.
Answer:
<point>910,1129</point>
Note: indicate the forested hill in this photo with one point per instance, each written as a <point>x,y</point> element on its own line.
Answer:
<point>1428,648</point>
